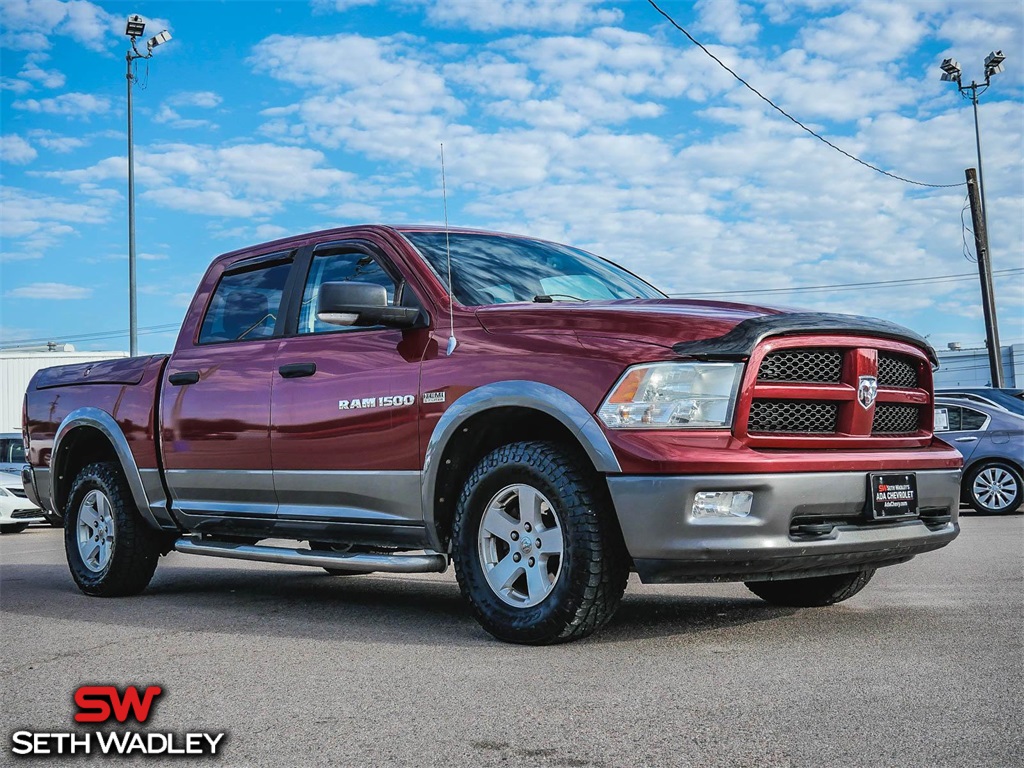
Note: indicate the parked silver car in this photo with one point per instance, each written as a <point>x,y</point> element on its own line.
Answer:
<point>991,440</point>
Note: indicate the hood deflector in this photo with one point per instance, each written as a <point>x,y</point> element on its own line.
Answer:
<point>741,340</point>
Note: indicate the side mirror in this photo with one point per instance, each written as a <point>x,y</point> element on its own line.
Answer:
<point>362,304</point>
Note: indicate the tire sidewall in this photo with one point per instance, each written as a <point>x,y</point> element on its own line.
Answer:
<point>529,624</point>
<point>91,480</point>
<point>978,505</point>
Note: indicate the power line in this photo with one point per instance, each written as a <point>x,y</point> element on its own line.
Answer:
<point>783,112</point>
<point>84,337</point>
<point>851,286</point>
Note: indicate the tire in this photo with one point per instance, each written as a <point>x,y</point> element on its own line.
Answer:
<point>812,592</point>
<point>558,589</point>
<point>100,509</point>
<point>13,528</point>
<point>994,488</point>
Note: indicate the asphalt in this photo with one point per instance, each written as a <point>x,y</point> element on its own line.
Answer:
<point>923,668</point>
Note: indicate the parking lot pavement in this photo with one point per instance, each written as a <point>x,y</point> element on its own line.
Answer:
<point>923,668</point>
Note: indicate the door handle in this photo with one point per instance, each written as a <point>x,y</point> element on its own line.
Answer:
<point>297,370</point>
<point>965,439</point>
<point>183,377</point>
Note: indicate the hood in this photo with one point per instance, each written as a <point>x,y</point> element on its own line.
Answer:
<point>662,322</point>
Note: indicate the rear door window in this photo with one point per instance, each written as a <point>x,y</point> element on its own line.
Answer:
<point>246,304</point>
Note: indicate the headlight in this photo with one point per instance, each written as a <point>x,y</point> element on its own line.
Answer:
<point>673,396</point>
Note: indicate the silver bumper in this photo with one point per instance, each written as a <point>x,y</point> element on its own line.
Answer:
<point>669,544</point>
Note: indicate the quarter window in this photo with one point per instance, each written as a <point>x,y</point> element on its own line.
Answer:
<point>245,305</point>
<point>971,419</point>
<point>353,267</point>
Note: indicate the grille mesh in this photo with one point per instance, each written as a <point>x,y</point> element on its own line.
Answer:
<point>896,371</point>
<point>818,365</point>
<point>19,492</point>
<point>804,417</point>
<point>895,419</point>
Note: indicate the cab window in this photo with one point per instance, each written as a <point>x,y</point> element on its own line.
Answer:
<point>245,305</point>
<point>353,266</point>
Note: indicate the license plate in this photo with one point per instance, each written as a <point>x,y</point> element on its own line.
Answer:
<point>893,496</point>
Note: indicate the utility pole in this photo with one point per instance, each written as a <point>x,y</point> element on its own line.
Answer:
<point>135,27</point>
<point>988,302</point>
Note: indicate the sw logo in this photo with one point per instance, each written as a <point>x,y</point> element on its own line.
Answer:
<point>98,703</point>
<point>108,704</point>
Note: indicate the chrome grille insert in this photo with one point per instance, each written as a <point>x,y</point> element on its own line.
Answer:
<point>814,365</point>
<point>793,416</point>
<point>895,419</point>
<point>896,371</point>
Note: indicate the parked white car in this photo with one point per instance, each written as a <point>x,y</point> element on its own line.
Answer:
<point>16,511</point>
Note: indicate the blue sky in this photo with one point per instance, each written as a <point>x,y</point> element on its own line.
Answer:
<point>591,123</point>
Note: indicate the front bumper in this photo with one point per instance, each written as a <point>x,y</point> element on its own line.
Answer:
<point>668,544</point>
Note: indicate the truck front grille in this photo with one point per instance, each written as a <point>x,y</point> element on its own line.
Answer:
<point>793,416</point>
<point>821,365</point>
<point>895,419</point>
<point>819,394</point>
<point>896,371</point>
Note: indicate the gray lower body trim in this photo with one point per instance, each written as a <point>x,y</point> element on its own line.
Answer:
<point>378,497</point>
<point>660,531</point>
<point>223,491</point>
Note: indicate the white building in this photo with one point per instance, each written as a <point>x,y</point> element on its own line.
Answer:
<point>969,367</point>
<point>18,366</point>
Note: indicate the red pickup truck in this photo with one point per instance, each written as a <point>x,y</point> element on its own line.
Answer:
<point>550,424</point>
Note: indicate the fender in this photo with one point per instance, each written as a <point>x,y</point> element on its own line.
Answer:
<point>524,394</point>
<point>103,422</point>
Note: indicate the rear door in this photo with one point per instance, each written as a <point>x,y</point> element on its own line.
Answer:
<point>961,426</point>
<point>215,403</point>
<point>345,437</point>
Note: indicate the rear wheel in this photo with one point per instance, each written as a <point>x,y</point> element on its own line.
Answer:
<point>994,488</point>
<point>111,550</point>
<point>537,552</point>
<point>815,591</point>
<point>13,528</point>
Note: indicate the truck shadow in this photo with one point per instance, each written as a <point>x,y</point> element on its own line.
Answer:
<point>299,604</point>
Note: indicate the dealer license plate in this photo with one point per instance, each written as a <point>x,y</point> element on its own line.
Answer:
<point>893,496</point>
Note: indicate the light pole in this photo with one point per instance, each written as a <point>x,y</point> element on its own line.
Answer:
<point>135,27</point>
<point>951,73</point>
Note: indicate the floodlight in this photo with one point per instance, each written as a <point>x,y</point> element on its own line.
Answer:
<point>994,63</point>
<point>951,67</point>
<point>160,39</point>
<point>136,26</point>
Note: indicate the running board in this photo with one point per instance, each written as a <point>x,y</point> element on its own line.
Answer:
<point>431,562</point>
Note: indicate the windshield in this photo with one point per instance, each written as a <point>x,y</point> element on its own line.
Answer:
<point>492,269</point>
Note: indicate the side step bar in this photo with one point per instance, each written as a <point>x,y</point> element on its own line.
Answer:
<point>431,562</point>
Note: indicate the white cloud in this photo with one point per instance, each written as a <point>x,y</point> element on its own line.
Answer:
<point>203,99</point>
<point>55,142</point>
<point>50,291</point>
<point>726,20</point>
<point>14,85</point>
<point>38,221</point>
<point>15,150</point>
<point>32,24</point>
<point>68,104</point>
<point>490,15</point>
<point>48,78</point>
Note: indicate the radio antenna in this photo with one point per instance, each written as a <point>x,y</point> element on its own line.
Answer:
<point>452,342</point>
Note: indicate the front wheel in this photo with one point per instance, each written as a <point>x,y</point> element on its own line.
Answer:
<point>994,488</point>
<point>537,551</point>
<point>815,591</point>
<point>111,550</point>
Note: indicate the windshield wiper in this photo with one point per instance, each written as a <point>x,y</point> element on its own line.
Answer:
<point>548,298</point>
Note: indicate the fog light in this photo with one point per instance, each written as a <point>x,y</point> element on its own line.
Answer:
<point>722,503</point>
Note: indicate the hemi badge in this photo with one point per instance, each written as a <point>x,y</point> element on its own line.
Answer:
<point>433,397</point>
